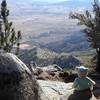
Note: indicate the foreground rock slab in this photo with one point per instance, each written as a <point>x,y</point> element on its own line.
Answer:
<point>54,90</point>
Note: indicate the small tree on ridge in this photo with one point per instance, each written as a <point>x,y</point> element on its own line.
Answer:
<point>8,37</point>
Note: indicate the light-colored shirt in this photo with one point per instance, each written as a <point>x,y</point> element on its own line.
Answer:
<point>83,83</point>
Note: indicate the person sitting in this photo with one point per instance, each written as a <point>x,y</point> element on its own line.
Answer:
<point>82,85</point>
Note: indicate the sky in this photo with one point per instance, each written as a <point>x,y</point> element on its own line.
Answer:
<point>56,0</point>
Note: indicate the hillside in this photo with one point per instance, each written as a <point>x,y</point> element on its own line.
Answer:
<point>43,57</point>
<point>40,56</point>
<point>75,42</point>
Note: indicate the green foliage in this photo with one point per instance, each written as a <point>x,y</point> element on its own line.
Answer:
<point>8,37</point>
<point>92,27</point>
<point>65,73</point>
<point>88,63</point>
<point>92,24</point>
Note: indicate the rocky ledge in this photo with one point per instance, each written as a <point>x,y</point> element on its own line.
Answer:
<point>54,90</point>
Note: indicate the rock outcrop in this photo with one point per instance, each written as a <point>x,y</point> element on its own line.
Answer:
<point>54,90</point>
<point>50,72</point>
<point>49,69</point>
<point>52,68</point>
<point>16,80</point>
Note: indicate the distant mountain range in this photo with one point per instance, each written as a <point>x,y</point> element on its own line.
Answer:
<point>47,24</point>
<point>45,6</point>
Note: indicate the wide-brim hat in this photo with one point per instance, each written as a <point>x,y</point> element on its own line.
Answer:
<point>82,69</point>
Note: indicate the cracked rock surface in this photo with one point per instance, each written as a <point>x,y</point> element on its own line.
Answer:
<point>54,90</point>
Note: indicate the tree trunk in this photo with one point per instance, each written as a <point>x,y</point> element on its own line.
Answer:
<point>98,62</point>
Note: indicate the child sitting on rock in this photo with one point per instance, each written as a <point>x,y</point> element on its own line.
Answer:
<point>82,85</point>
<point>83,82</point>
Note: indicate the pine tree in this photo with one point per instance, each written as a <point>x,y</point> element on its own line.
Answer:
<point>92,28</point>
<point>8,37</point>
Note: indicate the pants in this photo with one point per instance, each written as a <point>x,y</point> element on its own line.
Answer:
<point>81,95</point>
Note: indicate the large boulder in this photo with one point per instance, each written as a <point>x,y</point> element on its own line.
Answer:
<point>16,80</point>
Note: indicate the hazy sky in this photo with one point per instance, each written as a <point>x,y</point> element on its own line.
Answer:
<point>55,0</point>
<point>50,0</point>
